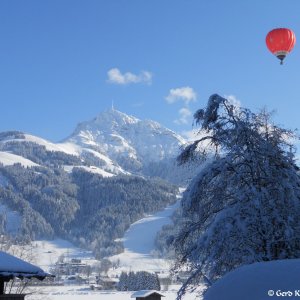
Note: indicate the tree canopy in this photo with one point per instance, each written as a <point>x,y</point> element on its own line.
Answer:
<point>243,206</point>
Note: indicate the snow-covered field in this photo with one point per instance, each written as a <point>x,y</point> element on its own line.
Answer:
<point>85,293</point>
<point>47,253</point>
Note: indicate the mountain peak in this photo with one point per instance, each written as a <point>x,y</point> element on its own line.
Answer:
<point>106,121</point>
<point>124,138</point>
<point>114,115</point>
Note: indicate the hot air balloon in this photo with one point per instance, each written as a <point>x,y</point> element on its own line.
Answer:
<point>280,42</point>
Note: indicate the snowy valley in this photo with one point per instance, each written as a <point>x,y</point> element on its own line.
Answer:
<point>138,255</point>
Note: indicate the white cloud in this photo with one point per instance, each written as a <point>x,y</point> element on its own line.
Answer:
<point>184,114</point>
<point>115,76</point>
<point>186,94</point>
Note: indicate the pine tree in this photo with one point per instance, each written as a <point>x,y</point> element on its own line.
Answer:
<point>123,282</point>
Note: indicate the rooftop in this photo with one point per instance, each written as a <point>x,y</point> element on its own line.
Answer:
<point>11,266</point>
<point>145,293</point>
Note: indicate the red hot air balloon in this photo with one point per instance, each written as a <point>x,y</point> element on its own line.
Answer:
<point>280,42</point>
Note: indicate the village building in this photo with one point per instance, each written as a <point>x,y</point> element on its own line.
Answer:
<point>147,295</point>
<point>12,267</point>
<point>105,283</point>
<point>72,267</point>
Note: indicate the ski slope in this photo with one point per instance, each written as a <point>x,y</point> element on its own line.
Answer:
<point>139,245</point>
<point>141,234</point>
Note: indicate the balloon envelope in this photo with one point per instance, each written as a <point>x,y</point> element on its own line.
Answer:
<point>280,42</point>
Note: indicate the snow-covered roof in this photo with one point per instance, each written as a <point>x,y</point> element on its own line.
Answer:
<point>145,293</point>
<point>11,266</point>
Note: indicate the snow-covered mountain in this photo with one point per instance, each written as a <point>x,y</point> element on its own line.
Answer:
<point>110,144</point>
<point>130,143</point>
<point>54,188</point>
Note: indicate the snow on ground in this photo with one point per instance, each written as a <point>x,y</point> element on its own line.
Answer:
<point>8,159</point>
<point>259,281</point>
<point>110,166</point>
<point>139,243</point>
<point>68,148</point>
<point>90,169</point>
<point>85,293</point>
<point>141,235</point>
<point>47,253</point>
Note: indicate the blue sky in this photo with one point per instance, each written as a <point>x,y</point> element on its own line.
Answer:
<point>64,61</point>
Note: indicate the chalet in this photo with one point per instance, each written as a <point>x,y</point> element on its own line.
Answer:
<point>12,267</point>
<point>147,295</point>
<point>106,283</point>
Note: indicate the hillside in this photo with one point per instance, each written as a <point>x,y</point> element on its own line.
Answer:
<point>91,186</point>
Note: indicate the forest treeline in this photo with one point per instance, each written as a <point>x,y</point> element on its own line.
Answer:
<point>83,207</point>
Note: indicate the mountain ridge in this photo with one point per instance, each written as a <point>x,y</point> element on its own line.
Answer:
<point>112,143</point>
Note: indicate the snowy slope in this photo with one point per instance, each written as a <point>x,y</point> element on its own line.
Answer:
<point>8,159</point>
<point>141,235</point>
<point>12,140</point>
<point>24,137</point>
<point>139,245</point>
<point>67,148</point>
<point>259,281</point>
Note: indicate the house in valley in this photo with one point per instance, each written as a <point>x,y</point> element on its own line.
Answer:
<point>147,295</point>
